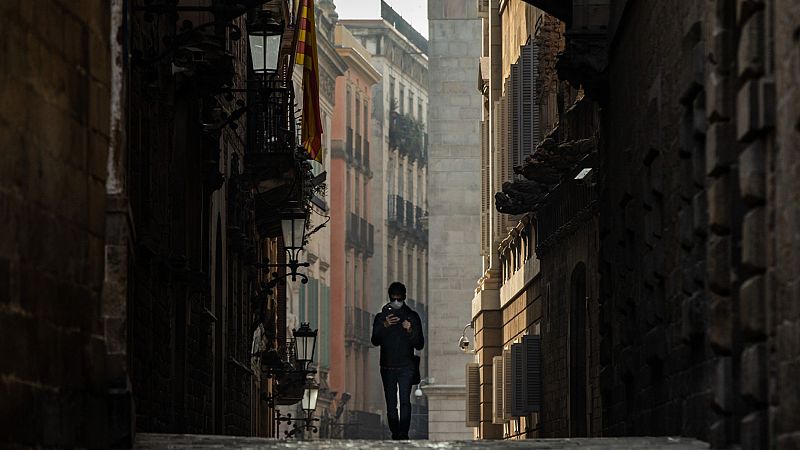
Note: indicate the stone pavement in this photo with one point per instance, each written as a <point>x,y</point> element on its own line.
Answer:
<point>187,441</point>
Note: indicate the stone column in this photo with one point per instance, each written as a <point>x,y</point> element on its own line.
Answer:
<point>454,194</point>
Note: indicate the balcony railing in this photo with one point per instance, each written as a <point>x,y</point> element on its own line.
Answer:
<point>366,155</point>
<point>403,216</point>
<point>371,241</point>
<point>349,142</point>
<point>358,324</point>
<point>353,227</point>
<point>271,119</point>
<point>358,149</point>
<point>396,210</point>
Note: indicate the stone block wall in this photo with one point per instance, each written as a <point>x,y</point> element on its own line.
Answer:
<point>559,357</point>
<point>656,360</point>
<point>783,277</point>
<point>54,130</point>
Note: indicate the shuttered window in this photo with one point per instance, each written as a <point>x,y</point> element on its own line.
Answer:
<point>301,313</point>
<point>517,380</point>
<point>486,193</point>
<point>313,303</point>
<point>498,417</point>
<point>473,413</point>
<point>532,346</point>
<point>324,327</point>
<point>508,382</point>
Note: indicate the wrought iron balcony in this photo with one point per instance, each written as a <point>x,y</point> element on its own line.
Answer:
<point>357,152</point>
<point>349,143</point>
<point>358,325</point>
<point>366,156</point>
<point>353,229</point>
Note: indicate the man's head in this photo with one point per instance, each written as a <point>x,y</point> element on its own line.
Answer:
<point>397,294</point>
<point>397,290</point>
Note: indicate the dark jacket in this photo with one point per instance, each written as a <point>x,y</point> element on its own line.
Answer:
<point>397,344</point>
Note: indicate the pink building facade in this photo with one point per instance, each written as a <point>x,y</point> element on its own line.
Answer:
<point>352,230</point>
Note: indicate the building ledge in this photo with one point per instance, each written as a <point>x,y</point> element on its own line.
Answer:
<point>485,300</point>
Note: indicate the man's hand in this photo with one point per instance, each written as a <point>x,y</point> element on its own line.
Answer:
<point>406,325</point>
<point>390,320</point>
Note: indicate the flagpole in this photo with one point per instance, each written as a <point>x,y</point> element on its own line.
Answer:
<point>294,39</point>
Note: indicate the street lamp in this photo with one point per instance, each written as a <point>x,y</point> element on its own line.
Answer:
<point>310,394</point>
<point>265,35</point>
<point>309,405</point>
<point>293,226</point>
<point>306,342</point>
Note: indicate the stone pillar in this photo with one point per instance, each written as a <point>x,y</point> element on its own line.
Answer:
<point>454,194</point>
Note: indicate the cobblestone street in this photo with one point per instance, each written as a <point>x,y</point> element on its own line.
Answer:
<point>172,441</point>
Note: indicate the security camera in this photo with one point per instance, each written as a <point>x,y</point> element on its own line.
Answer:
<point>463,344</point>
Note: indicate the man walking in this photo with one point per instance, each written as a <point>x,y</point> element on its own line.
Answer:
<point>397,329</point>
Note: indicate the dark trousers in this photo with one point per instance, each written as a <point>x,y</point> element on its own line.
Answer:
<point>394,379</point>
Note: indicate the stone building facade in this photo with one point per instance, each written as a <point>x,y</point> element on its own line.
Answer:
<point>688,317</point>
<point>314,302</point>
<point>153,220</point>
<point>354,242</point>
<point>453,187</point>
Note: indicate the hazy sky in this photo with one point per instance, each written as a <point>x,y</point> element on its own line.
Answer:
<point>414,12</point>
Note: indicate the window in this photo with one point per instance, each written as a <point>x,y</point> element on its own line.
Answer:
<point>419,110</point>
<point>400,182</point>
<point>410,271</point>
<point>402,109</point>
<point>347,109</point>
<point>390,177</point>
<point>357,206</point>
<point>391,92</point>
<point>358,117</point>
<point>366,119</point>
<point>390,262</point>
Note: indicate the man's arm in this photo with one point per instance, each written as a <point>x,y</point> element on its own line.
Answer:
<point>417,337</point>
<point>378,329</point>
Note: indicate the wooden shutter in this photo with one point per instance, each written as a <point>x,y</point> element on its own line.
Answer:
<point>517,108</point>
<point>325,329</point>
<point>532,345</point>
<point>313,303</point>
<point>529,108</point>
<point>507,384</point>
<point>473,415</point>
<point>517,380</point>
<point>498,417</point>
<point>486,192</point>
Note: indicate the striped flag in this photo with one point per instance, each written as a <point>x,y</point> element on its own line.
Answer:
<point>306,56</point>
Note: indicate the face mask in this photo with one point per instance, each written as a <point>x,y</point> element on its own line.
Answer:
<point>396,304</point>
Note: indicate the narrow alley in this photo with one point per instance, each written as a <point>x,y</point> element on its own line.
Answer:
<point>380,224</point>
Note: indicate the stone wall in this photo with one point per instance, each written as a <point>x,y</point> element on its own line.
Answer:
<point>700,260</point>
<point>559,357</point>
<point>783,299</point>
<point>655,354</point>
<point>454,202</point>
<point>191,283</point>
<point>54,130</point>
